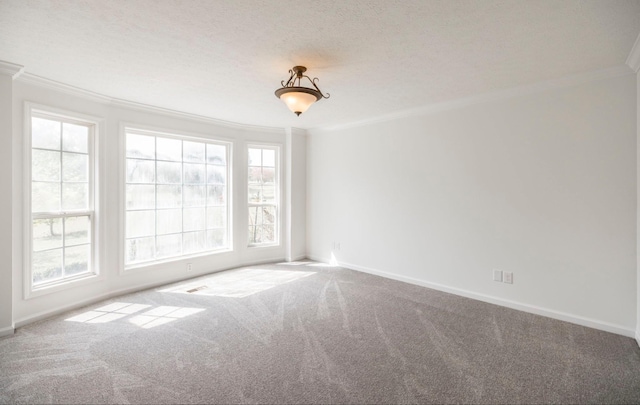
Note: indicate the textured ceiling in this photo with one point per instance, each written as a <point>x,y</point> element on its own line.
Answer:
<point>224,59</point>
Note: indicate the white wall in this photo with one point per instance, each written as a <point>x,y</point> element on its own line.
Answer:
<point>298,188</point>
<point>6,91</point>
<point>542,185</point>
<point>638,210</point>
<point>113,115</point>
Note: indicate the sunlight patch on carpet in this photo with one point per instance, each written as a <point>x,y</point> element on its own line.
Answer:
<point>149,319</point>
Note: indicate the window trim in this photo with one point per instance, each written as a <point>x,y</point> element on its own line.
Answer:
<point>142,129</point>
<point>277,147</point>
<point>94,211</point>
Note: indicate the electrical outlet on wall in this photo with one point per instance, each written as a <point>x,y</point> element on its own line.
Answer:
<point>497,275</point>
<point>508,277</point>
<point>189,267</point>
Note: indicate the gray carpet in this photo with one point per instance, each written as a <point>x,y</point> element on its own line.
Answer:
<point>305,333</point>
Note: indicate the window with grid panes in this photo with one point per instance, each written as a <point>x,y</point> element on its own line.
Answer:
<point>176,197</point>
<point>62,213</point>
<point>263,195</point>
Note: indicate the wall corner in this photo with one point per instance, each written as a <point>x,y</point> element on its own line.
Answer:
<point>8,72</point>
<point>296,195</point>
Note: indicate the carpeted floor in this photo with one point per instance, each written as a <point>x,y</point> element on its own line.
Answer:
<point>305,333</point>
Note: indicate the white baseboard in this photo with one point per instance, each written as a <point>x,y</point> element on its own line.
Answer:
<point>62,309</point>
<point>9,330</point>
<point>296,258</point>
<point>533,309</point>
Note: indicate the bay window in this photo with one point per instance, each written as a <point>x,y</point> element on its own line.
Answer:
<point>263,195</point>
<point>176,196</point>
<point>62,217</point>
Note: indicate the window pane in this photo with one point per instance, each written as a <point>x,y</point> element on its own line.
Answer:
<point>269,194</point>
<point>216,154</point>
<point>46,265</point>
<point>141,171</point>
<point>268,158</point>
<point>76,260</point>
<point>216,174</point>
<point>268,215</point>
<point>194,174</point>
<point>140,223</point>
<point>169,221</point>
<point>141,196</point>
<point>255,157</point>
<point>255,175</point>
<point>45,133</point>
<point>75,196</point>
<point>169,245</point>
<point>169,149</point>
<point>193,152</point>
<point>216,239</point>
<point>194,196</point>
<point>141,146</point>
<point>193,219</point>
<point>194,242</point>
<point>47,234</point>
<point>268,234</point>
<point>216,195</point>
<point>75,167</point>
<point>216,217</point>
<point>169,196</point>
<point>255,216</point>
<point>169,173</point>
<point>76,230</point>
<point>140,249</point>
<point>255,194</point>
<point>269,175</point>
<point>75,138</point>
<point>45,165</point>
<point>45,197</point>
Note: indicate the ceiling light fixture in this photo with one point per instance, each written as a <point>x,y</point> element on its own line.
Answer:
<point>296,97</point>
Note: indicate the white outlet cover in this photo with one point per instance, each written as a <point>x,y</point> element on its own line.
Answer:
<point>497,275</point>
<point>508,277</point>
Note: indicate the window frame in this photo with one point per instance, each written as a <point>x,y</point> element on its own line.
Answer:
<point>95,124</point>
<point>278,191</point>
<point>139,129</point>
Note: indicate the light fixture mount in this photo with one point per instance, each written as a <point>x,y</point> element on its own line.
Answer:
<point>297,97</point>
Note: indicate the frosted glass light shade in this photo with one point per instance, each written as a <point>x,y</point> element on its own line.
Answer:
<point>298,99</point>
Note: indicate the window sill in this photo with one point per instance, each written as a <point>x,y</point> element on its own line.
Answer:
<point>62,285</point>
<point>145,265</point>
<point>263,245</point>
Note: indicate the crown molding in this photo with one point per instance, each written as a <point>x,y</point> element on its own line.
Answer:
<point>64,88</point>
<point>11,69</point>
<point>633,60</point>
<point>101,98</point>
<point>567,81</point>
<point>195,117</point>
